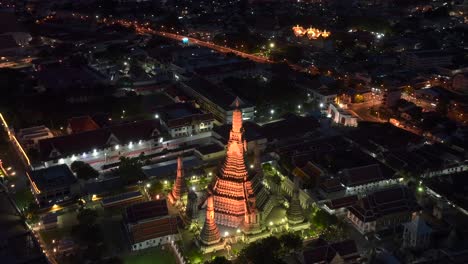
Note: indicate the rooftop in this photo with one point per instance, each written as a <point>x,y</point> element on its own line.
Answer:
<point>384,202</point>
<point>215,93</point>
<point>146,210</point>
<point>82,124</point>
<point>53,177</point>
<point>76,144</point>
<point>361,175</point>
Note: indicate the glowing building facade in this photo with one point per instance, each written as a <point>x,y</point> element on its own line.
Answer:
<point>233,191</point>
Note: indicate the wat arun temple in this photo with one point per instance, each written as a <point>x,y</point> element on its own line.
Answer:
<point>237,200</point>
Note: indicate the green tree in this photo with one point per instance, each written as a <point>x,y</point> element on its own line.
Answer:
<point>266,250</point>
<point>87,229</point>
<point>155,188</point>
<point>87,217</point>
<point>130,169</point>
<point>83,170</point>
<point>291,241</point>
<point>321,219</point>
<point>219,260</point>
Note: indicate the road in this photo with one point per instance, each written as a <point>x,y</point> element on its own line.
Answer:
<point>146,29</point>
<point>361,110</point>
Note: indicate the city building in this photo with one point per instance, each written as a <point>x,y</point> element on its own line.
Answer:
<point>101,145</point>
<point>149,224</point>
<point>184,120</point>
<point>321,252</point>
<point>390,97</point>
<point>426,59</point>
<point>383,209</point>
<point>216,100</point>
<point>210,152</point>
<point>122,200</point>
<point>341,116</point>
<point>416,234</point>
<point>53,185</point>
<point>30,137</point>
<point>339,206</point>
<point>363,179</point>
<point>323,96</point>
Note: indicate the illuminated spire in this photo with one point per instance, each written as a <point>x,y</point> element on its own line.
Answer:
<point>232,187</point>
<point>179,185</point>
<point>210,234</point>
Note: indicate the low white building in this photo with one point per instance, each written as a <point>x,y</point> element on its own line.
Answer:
<point>341,116</point>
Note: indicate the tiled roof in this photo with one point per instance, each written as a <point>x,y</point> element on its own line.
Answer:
<point>189,120</point>
<point>97,139</point>
<point>331,185</point>
<point>384,202</point>
<point>82,124</point>
<point>146,210</point>
<point>323,252</point>
<point>361,175</point>
<point>342,202</point>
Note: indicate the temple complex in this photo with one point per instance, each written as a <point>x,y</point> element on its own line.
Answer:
<point>179,188</point>
<point>234,190</point>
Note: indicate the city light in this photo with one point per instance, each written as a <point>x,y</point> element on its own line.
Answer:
<point>117,147</point>
<point>272,45</point>
<point>272,111</point>
<point>310,33</point>
<point>148,185</point>
<point>321,105</point>
<point>156,116</point>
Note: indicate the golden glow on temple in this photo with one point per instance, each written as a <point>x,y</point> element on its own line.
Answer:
<point>310,33</point>
<point>233,193</point>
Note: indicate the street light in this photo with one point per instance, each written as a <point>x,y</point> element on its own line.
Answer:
<point>272,111</point>
<point>272,45</point>
<point>148,185</point>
